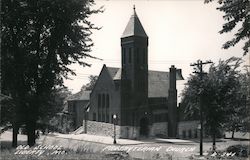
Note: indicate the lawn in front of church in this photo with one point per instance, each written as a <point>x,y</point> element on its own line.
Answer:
<point>79,149</point>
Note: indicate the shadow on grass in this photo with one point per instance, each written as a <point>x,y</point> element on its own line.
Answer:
<point>8,144</point>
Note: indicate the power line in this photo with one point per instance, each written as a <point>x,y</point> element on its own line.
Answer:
<point>199,70</point>
<point>150,61</point>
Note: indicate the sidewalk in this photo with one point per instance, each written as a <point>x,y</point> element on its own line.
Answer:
<point>174,141</point>
<point>100,139</point>
<point>109,140</point>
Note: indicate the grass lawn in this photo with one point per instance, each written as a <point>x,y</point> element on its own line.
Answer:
<point>36,153</point>
<point>8,154</point>
<point>21,153</point>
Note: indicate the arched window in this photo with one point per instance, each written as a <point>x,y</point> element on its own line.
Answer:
<point>130,55</point>
<point>99,100</point>
<point>123,55</point>
<point>107,100</point>
<point>103,100</point>
<point>137,55</point>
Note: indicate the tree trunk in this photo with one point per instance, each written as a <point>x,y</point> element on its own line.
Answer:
<point>214,141</point>
<point>232,134</point>
<point>14,134</point>
<point>31,133</point>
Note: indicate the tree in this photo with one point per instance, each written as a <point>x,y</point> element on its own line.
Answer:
<point>89,86</point>
<point>218,92</point>
<point>55,106</point>
<point>237,12</point>
<point>245,103</point>
<point>39,40</point>
<point>6,109</point>
<point>239,118</point>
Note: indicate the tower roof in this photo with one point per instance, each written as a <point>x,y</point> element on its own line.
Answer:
<point>134,27</point>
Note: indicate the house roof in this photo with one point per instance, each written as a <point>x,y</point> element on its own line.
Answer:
<point>66,107</point>
<point>158,81</point>
<point>82,95</point>
<point>134,27</point>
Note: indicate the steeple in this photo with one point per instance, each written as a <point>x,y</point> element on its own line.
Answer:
<point>134,27</point>
<point>134,74</point>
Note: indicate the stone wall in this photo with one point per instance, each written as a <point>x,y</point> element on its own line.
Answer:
<point>107,129</point>
<point>103,129</point>
<point>129,132</point>
<point>160,128</point>
<point>188,129</point>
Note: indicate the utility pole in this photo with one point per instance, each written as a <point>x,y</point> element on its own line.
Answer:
<point>199,70</point>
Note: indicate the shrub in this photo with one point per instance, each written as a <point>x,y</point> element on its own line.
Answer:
<point>240,150</point>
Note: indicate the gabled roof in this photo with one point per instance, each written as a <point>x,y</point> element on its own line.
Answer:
<point>82,95</point>
<point>158,84</point>
<point>134,27</point>
<point>158,81</point>
<point>115,73</point>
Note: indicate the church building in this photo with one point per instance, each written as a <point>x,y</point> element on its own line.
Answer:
<point>140,102</point>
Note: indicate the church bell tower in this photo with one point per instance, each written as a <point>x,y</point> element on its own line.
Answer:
<point>134,78</point>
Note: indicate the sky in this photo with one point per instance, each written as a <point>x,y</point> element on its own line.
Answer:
<point>180,32</point>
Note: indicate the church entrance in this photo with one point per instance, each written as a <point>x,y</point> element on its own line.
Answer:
<point>144,126</point>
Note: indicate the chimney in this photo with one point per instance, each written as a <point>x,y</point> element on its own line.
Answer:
<point>172,103</point>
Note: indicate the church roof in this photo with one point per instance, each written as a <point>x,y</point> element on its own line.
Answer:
<point>118,74</point>
<point>113,71</point>
<point>158,81</point>
<point>134,27</point>
<point>158,84</point>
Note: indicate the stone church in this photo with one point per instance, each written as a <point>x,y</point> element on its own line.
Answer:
<point>144,102</point>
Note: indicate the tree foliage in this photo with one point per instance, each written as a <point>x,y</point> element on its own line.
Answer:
<point>240,119</point>
<point>39,40</point>
<point>220,93</point>
<point>237,12</point>
<point>7,106</point>
<point>89,86</point>
<point>55,105</point>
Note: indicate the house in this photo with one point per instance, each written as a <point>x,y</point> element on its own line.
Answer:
<point>77,104</point>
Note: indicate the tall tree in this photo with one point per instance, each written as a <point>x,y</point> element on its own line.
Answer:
<point>218,91</point>
<point>238,119</point>
<point>50,119</point>
<point>39,40</point>
<point>54,106</point>
<point>245,92</point>
<point>237,12</point>
<point>89,86</point>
